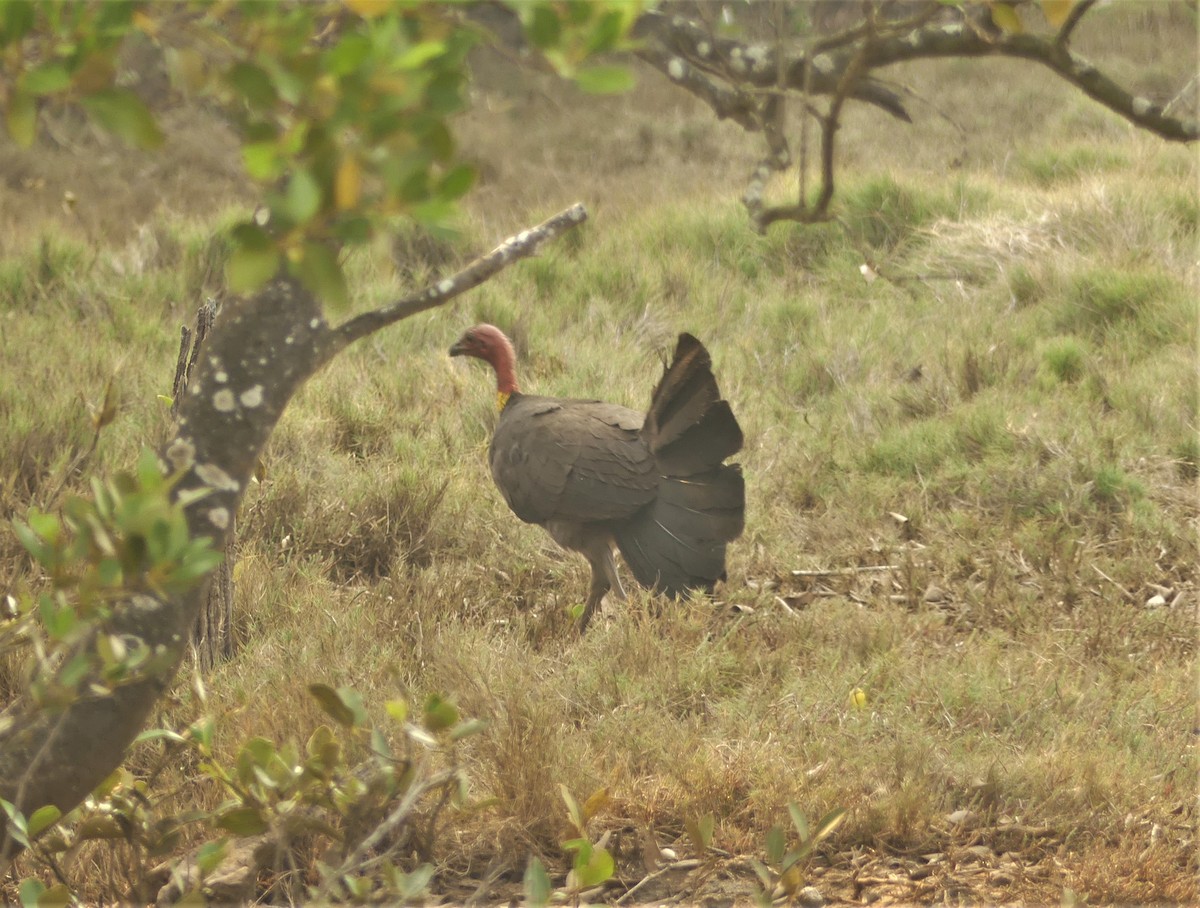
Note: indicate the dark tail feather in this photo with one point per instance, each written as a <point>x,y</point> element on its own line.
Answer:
<point>677,542</point>
<point>688,427</point>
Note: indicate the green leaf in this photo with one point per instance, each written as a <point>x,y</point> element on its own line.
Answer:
<point>211,854</point>
<point>354,230</point>
<point>263,160</point>
<point>380,746</point>
<point>29,892</point>
<point>46,79</point>
<point>1005,16</point>
<point>42,818</point>
<point>605,80</point>
<point>701,832</point>
<point>828,823</point>
<point>413,885</point>
<point>248,269</point>
<point>57,895</point>
<point>261,750</point>
<point>201,731</point>
<point>537,884</point>
<point>291,86</point>
<point>58,618</point>
<point>348,55</point>
<point>21,118</point>
<point>607,31</point>
<point>419,54</point>
<point>456,183</point>
<point>598,869</point>
<point>776,845</point>
<point>799,820</point>
<point>595,803</point>
<point>319,270</point>
<point>99,827</point>
<point>319,741</point>
<point>397,709</point>
<point>579,11</point>
<point>343,705</point>
<point>764,876</point>
<point>302,199</point>
<point>243,821</point>
<point>439,714</point>
<point>543,28</point>
<point>1056,11</point>
<point>122,113</point>
<point>332,704</point>
<point>253,84</point>
<point>17,17</point>
<point>437,213</point>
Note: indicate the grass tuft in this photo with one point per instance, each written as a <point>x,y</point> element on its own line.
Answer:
<point>1063,359</point>
<point>1048,168</point>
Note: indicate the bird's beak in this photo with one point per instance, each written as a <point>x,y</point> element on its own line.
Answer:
<point>459,348</point>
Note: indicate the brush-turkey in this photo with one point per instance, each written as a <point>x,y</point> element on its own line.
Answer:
<point>599,476</point>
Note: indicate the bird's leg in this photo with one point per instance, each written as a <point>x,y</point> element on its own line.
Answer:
<point>599,587</point>
<point>604,578</point>
<point>610,571</point>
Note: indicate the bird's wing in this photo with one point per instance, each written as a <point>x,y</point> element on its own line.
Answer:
<point>556,459</point>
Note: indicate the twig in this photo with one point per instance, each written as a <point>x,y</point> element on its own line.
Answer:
<point>522,245</point>
<point>394,819</point>
<point>1128,595</point>
<point>1183,93</point>
<point>848,571</point>
<point>686,864</point>
<point>1078,11</point>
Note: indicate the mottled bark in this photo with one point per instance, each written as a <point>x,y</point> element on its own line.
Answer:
<point>260,352</point>
<point>684,50</point>
<point>212,634</point>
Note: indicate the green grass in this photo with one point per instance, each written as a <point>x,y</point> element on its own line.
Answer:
<point>1047,168</point>
<point>1019,385</point>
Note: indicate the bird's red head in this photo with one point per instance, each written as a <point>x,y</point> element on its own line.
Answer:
<point>487,342</point>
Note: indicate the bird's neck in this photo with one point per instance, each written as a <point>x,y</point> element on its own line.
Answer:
<point>504,362</point>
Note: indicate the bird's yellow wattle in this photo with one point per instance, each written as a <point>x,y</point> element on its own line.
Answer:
<point>502,399</point>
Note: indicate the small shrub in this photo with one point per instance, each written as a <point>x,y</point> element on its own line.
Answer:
<point>1101,297</point>
<point>1113,488</point>
<point>1187,457</point>
<point>790,318</point>
<point>883,213</point>
<point>1063,360</point>
<point>1024,287</point>
<point>1184,211</point>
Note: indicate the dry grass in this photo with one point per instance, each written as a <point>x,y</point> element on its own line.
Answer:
<point>1019,384</point>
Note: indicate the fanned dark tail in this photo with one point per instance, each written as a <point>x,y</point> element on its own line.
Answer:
<point>677,542</point>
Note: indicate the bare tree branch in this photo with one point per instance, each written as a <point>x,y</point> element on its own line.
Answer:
<point>1078,11</point>
<point>674,44</point>
<point>749,82</point>
<point>516,247</point>
<point>688,44</point>
<point>953,40</point>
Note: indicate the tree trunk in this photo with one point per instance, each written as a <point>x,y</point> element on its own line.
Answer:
<point>212,634</point>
